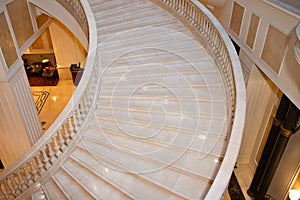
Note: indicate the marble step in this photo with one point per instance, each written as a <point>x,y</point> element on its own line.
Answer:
<point>93,184</point>
<point>121,11</point>
<point>149,37</point>
<point>154,65</point>
<point>184,122</point>
<point>52,190</point>
<point>184,161</point>
<point>200,144</point>
<point>39,195</point>
<point>149,15</point>
<point>100,7</point>
<point>171,25</point>
<point>198,67</point>
<point>201,106</point>
<point>209,78</point>
<point>153,54</point>
<point>157,110</point>
<point>70,188</point>
<point>135,185</point>
<point>147,21</point>
<point>145,32</point>
<point>174,178</point>
<point>128,16</point>
<point>161,90</point>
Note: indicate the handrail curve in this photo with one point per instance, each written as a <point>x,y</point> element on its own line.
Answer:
<point>43,155</point>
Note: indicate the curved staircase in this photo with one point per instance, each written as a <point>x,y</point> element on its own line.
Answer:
<point>162,120</point>
<point>160,127</point>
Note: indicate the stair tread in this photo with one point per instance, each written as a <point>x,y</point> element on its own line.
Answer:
<point>100,7</point>
<point>121,11</point>
<point>183,123</point>
<point>200,144</point>
<point>202,167</point>
<point>137,166</point>
<point>69,186</point>
<point>52,190</point>
<point>39,195</point>
<point>97,187</point>
<point>114,174</point>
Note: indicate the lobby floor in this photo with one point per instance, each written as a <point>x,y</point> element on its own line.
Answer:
<point>59,96</point>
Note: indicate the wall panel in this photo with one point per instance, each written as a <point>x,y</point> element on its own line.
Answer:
<point>21,21</point>
<point>6,42</point>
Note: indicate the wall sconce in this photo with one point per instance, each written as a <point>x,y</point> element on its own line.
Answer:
<point>294,194</point>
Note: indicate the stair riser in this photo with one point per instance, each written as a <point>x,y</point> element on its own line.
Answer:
<point>207,107</point>
<point>137,181</point>
<point>138,166</point>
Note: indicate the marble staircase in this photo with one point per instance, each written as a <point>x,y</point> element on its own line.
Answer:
<point>160,127</point>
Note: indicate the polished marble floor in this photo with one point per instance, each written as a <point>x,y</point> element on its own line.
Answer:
<point>59,96</point>
<point>244,176</point>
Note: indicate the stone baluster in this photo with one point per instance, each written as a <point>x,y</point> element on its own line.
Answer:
<point>61,141</point>
<point>40,164</point>
<point>34,172</point>
<point>66,134</point>
<point>22,183</point>
<point>28,176</point>
<point>51,153</point>
<point>15,186</point>
<point>56,147</point>
<point>85,103</point>
<point>71,127</point>
<point>78,111</point>
<point>8,190</point>
<point>2,194</point>
<point>81,111</point>
<point>46,160</point>
<point>193,16</point>
<point>90,97</point>
<point>76,123</point>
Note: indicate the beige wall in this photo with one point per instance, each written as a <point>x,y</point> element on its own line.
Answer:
<point>273,43</point>
<point>66,46</point>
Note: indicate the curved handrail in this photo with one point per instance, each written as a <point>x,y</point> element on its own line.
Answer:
<point>48,150</point>
<point>203,23</point>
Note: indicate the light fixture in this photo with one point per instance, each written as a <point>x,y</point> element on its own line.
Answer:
<point>294,194</point>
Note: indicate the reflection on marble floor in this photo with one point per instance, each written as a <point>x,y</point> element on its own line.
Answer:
<point>59,96</point>
<point>244,177</point>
